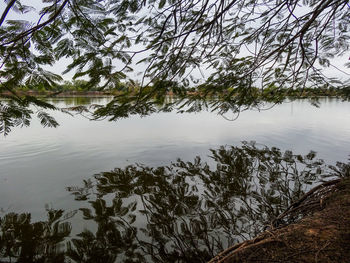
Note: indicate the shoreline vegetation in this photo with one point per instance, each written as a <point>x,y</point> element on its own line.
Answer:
<point>81,88</point>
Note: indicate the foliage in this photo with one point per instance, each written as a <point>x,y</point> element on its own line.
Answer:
<point>16,112</point>
<point>245,44</point>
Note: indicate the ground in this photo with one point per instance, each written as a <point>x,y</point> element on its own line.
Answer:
<point>321,235</point>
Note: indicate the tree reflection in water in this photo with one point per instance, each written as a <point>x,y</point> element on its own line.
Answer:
<point>184,212</point>
<point>24,241</point>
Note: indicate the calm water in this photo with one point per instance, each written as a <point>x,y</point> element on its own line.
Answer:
<point>38,164</point>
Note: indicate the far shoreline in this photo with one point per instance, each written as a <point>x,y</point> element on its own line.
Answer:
<point>111,93</point>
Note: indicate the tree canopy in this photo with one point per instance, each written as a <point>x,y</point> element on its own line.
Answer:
<point>254,50</point>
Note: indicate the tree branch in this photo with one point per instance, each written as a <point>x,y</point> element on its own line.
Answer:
<point>4,14</point>
<point>37,27</point>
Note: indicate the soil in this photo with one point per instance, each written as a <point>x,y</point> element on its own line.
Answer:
<point>321,234</point>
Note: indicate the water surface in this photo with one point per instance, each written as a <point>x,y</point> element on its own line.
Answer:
<point>37,165</point>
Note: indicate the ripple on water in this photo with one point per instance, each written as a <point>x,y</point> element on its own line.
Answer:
<point>18,151</point>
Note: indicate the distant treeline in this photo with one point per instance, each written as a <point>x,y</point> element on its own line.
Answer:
<point>82,87</point>
<point>76,87</point>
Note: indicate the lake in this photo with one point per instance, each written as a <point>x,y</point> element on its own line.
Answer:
<point>43,170</point>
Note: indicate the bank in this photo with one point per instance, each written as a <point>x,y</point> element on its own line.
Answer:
<point>320,233</point>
